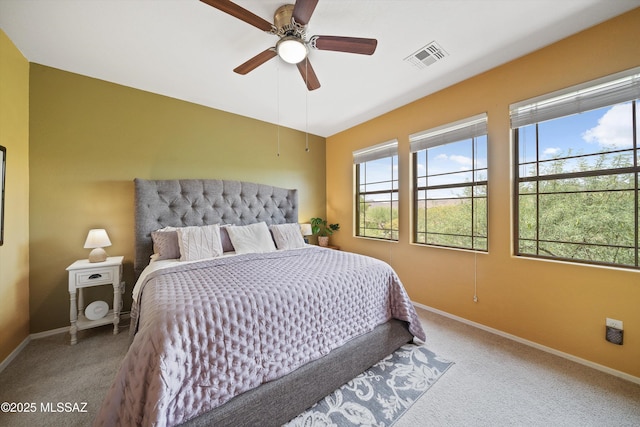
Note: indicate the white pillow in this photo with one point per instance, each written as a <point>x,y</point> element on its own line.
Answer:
<point>199,242</point>
<point>252,238</point>
<point>287,236</point>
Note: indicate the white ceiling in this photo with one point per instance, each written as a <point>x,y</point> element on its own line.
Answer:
<point>187,50</point>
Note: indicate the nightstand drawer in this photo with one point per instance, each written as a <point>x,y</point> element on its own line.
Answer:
<point>95,277</point>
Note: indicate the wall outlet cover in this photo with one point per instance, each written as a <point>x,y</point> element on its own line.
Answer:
<point>613,323</point>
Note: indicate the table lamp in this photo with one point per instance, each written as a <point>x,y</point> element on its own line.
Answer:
<point>305,229</point>
<point>96,240</point>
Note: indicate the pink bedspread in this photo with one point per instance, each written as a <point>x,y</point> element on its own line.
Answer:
<point>208,331</point>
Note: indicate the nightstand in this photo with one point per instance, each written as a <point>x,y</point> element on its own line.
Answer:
<point>84,274</point>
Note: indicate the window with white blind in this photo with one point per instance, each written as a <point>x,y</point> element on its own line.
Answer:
<point>377,191</point>
<point>576,159</point>
<point>450,185</point>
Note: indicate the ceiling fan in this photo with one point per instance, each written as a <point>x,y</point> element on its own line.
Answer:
<point>290,25</point>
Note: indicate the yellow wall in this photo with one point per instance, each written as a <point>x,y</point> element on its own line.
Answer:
<point>14,253</point>
<point>558,305</point>
<point>90,139</point>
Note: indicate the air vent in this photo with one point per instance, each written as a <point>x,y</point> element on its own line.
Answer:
<point>427,55</point>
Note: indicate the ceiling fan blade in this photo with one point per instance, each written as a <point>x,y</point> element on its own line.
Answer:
<point>303,10</point>
<point>345,44</point>
<point>240,13</point>
<point>308,75</point>
<point>256,61</point>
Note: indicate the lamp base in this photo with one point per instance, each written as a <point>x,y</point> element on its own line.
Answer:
<point>98,255</point>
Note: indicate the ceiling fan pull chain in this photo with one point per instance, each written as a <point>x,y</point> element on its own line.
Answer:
<point>278,102</point>
<point>306,100</point>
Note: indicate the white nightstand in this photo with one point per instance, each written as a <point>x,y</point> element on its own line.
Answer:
<point>84,274</point>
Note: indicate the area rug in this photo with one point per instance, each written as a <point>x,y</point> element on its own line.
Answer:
<point>379,396</point>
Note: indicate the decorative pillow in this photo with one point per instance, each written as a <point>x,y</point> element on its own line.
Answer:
<point>227,246</point>
<point>199,242</point>
<point>165,243</point>
<point>287,236</point>
<point>252,238</point>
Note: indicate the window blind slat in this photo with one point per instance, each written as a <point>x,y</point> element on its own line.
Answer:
<point>463,129</point>
<point>577,99</point>
<point>376,152</point>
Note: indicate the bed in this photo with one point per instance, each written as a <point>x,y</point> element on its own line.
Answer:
<point>247,336</point>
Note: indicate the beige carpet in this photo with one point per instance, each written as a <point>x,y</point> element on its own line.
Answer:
<point>494,382</point>
<point>498,382</point>
<point>49,371</point>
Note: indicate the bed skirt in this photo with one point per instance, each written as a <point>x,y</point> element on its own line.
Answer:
<point>276,402</point>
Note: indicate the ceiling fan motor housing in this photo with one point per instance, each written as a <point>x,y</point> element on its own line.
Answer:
<point>283,21</point>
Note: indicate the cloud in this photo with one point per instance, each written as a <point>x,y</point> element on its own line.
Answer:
<point>552,151</point>
<point>463,160</point>
<point>614,128</point>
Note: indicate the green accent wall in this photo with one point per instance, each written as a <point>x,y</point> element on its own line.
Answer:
<point>89,139</point>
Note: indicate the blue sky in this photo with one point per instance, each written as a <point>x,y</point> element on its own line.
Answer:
<point>604,129</point>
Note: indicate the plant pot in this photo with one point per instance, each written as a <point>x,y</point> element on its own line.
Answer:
<point>323,241</point>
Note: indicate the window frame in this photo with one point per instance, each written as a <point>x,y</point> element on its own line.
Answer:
<point>572,101</point>
<point>471,129</point>
<point>385,150</point>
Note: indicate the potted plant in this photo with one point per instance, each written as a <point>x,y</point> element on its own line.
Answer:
<point>321,228</point>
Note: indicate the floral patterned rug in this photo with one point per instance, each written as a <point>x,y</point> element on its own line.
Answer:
<point>379,396</point>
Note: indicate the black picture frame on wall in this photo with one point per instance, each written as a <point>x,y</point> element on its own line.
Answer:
<point>3,168</point>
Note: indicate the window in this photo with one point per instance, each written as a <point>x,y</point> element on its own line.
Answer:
<point>577,172</point>
<point>450,185</point>
<point>377,191</point>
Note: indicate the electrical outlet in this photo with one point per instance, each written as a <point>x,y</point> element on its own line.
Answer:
<point>613,323</point>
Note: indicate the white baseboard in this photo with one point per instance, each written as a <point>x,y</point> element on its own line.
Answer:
<point>123,316</point>
<point>516,338</point>
<point>14,353</point>
<point>50,332</point>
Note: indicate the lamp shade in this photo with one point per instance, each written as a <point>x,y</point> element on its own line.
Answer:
<point>96,240</point>
<point>305,229</point>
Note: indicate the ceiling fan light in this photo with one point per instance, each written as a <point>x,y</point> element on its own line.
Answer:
<point>291,50</point>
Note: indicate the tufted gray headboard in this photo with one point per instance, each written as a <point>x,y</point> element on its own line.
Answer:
<point>185,202</point>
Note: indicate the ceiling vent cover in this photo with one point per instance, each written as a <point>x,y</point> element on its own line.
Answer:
<point>427,55</point>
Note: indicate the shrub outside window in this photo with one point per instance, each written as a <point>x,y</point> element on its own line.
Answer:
<point>450,185</point>
<point>576,173</point>
<point>377,191</point>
